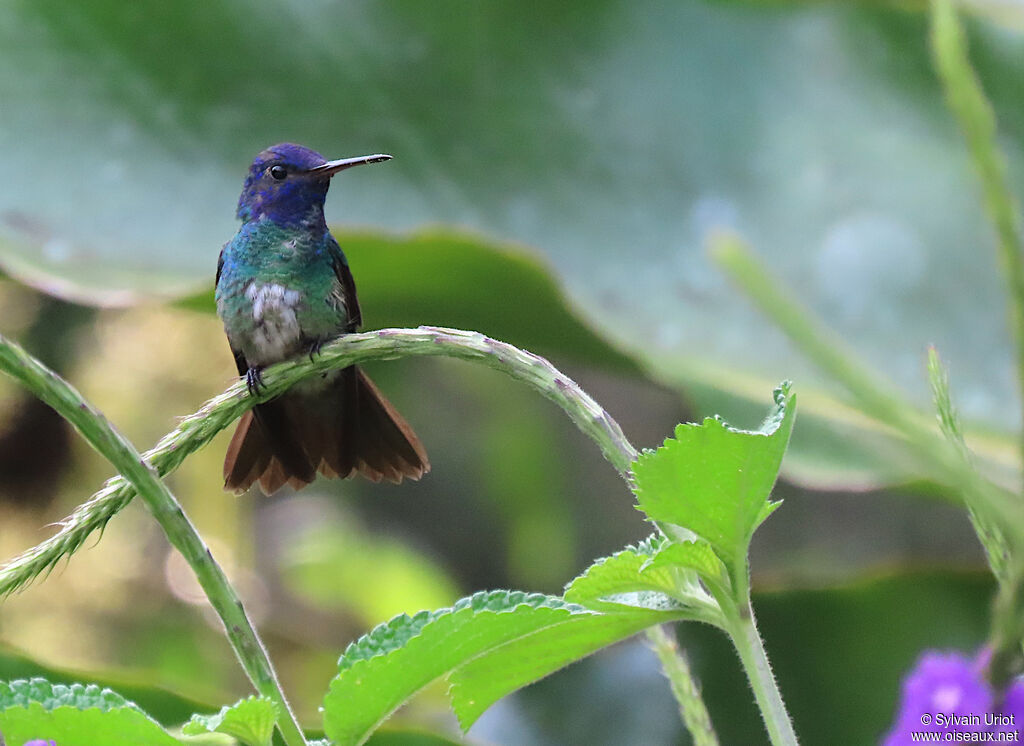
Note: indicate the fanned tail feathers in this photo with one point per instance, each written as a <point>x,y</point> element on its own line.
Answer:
<point>349,428</point>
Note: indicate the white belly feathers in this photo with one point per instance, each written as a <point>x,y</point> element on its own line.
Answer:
<point>276,333</point>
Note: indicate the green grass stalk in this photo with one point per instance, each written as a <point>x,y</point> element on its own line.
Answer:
<point>974,114</point>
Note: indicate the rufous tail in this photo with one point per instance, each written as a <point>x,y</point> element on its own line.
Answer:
<point>347,429</point>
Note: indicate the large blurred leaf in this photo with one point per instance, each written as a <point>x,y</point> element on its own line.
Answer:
<point>612,136</point>
<point>447,278</point>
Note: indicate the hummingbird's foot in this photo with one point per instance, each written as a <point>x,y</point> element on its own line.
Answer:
<point>254,380</point>
<point>314,349</point>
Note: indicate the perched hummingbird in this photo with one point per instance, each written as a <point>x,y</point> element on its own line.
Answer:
<point>284,289</point>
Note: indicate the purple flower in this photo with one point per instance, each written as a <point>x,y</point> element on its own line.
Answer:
<point>39,742</point>
<point>946,693</point>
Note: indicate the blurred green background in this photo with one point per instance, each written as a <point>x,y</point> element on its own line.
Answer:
<point>559,168</point>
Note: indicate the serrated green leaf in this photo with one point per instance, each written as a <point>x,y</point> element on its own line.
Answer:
<point>396,633</point>
<point>651,545</point>
<point>714,479</point>
<point>697,556</point>
<point>395,660</point>
<point>384,668</point>
<point>250,720</point>
<point>22,692</point>
<point>75,715</point>
<point>617,582</point>
<point>484,680</point>
<point>609,576</point>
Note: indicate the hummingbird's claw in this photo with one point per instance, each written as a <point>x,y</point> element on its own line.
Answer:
<point>254,380</point>
<point>314,349</point>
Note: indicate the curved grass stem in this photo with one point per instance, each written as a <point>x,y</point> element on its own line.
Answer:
<point>677,671</point>
<point>198,429</point>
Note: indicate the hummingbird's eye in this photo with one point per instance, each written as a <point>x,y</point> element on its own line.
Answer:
<point>278,172</point>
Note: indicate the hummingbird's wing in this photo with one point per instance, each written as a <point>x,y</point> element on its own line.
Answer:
<point>220,265</point>
<point>345,291</point>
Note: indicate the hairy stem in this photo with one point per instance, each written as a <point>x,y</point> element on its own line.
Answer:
<point>691,707</point>
<point>755,662</point>
<point>137,473</point>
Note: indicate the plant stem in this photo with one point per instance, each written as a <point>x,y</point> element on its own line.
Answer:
<point>677,670</point>
<point>743,632</point>
<point>102,436</point>
<point>967,101</point>
<point>1007,660</point>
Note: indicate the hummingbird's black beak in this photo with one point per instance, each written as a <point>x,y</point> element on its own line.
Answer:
<point>332,167</point>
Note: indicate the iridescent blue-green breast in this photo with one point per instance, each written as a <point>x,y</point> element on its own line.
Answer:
<point>279,291</point>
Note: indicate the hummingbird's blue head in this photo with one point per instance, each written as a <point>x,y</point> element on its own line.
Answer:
<point>288,183</point>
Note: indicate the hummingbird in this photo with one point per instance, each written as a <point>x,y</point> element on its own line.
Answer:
<point>284,288</point>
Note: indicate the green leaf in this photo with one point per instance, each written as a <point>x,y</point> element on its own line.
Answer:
<point>23,692</point>
<point>627,580</point>
<point>697,556</point>
<point>715,480</point>
<point>485,679</point>
<point>75,715</point>
<point>615,575</point>
<point>384,668</point>
<point>250,720</point>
